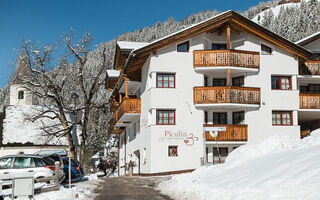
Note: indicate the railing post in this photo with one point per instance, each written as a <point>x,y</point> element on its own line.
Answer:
<point>126,90</point>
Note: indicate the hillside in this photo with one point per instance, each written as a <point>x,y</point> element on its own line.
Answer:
<point>278,168</point>
<point>293,21</point>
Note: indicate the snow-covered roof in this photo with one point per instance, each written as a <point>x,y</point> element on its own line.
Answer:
<point>197,24</point>
<point>17,129</point>
<point>131,45</point>
<point>113,73</point>
<point>311,37</point>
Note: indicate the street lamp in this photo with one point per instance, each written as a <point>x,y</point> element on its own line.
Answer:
<point>75,97</point>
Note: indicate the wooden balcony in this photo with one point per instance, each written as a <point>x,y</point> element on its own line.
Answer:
<point>309,101</point>
<point>233,133</point>
<point>219,58</point>
<point>310,68</point>
<point>128,110</point>
<point>305,133</point>
<point>218,95</point>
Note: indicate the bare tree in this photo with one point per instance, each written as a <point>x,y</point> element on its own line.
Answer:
<point>90,67</point>
<point>48,82</point>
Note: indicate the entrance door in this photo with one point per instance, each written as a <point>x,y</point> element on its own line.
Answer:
<point>137,153</point>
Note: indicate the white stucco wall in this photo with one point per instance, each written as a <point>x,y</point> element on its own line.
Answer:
<point>14,100</point>
<point>190,120</point>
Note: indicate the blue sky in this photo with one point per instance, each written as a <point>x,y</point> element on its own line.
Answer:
<point>47,20</point>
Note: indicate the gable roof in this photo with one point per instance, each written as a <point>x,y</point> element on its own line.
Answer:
<point>309,39</point>
<point>21,70</point>
<point>138,56</point>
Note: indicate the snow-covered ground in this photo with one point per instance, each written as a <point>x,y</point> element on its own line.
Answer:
<point>81,190</point>
<point>279,168</point>
<point>275,11</point>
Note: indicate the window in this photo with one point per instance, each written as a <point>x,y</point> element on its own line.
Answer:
<point>219,46</point>
<point>173,151</point>
<point>223,154</point>
<point>310,89</point>
<point>183,47</point>
<point>20,94</point>
<point>134,130</point>
<point>238,81</point>
<point>205,117</point>
<point>166,81</point>
<point>22,162</point>
<point>166,117</point>
<point>238,118</point>
<point>303,89</point>
<point>281,83</point>
<point>205,81</point>
<point>281,118</point>
<point>5,163</point>
<point>219,118</point>
<point>39,163</point>
<point>314,88</point>
<point>265,50</point>
<point>219,82</point>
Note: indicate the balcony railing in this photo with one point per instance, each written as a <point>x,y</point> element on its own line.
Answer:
<point>132,106</point>
<point>305,133</point>
<point>310,68</point>
<point>235,58</point>
<point>241,95</point>
<point>309,101</point>
<point>232,133</point>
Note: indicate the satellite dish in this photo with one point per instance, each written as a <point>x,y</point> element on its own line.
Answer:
<point>213,133</point>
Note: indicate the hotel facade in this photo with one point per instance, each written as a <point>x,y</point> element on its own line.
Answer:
<point>192,97</point>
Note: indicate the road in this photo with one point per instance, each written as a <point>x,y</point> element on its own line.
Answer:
<point>130,188</point>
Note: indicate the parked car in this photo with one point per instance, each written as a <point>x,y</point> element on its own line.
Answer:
<point>26,165</point>
<point>54,158</point>
<point>76,169</point>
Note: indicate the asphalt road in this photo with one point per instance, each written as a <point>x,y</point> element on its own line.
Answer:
<point>130,188</point>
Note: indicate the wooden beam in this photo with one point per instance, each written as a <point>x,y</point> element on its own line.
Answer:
<point>228,37</point>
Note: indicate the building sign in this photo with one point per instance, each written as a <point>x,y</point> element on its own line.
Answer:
<point>188,138</point>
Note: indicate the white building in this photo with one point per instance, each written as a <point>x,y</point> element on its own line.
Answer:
<point>20,135</point>
<point>226,73</point>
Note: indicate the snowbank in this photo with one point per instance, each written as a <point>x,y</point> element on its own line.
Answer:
<point>279,168</point>
<point>81,190</point>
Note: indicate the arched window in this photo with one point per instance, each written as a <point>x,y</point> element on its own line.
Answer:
<point>20,94</point>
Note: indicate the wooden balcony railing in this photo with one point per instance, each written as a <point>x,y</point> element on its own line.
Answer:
<point>310,68</point>
<point>243,95</point>
<point>309,101</point>
<point>232,133</point>
<point>305,133</point>
<point>236,58</point>
<point>129,106</point>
